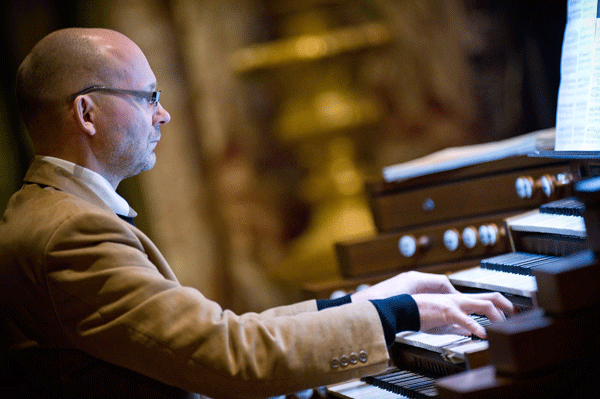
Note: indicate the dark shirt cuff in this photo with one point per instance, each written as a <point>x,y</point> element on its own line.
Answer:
<point>329,303</point>
<point>397,313</point>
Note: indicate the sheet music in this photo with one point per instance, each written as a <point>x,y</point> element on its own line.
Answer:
<point>458,157</point>
<point>578,107</point>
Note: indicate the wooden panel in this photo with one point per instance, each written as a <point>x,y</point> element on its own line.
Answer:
<point>546,244</point>
<point>520,163</point>
<point>532,341</point>
<point>569,284</point>
<point>487,383</point>
<point>381,253</point>
<point>398,209</point>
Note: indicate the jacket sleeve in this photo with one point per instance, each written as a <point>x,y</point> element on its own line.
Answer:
<point>112,302</point>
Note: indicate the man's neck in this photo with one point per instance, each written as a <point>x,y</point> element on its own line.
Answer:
<point>97,183</point>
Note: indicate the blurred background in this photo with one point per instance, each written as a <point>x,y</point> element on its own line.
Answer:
<point>281,109</point>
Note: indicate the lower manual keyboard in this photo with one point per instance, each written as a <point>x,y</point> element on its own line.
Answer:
<point>395,383</point>
<point>403,382</point>
<point>359,389</point>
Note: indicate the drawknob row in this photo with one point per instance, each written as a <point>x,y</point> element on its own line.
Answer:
<point>526,186</point>
<point>486,234</point>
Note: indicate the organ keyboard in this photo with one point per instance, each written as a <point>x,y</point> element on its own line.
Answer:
<point>556,228</point>
<point>545,266</point>
<point>495,280</point>
<point>541,231</point>
<point>359,389</point>
<point>540,222</point>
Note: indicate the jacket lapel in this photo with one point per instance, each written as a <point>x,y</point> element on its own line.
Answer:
<point>48,174</point>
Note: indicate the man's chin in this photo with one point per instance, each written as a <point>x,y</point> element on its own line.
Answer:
<point>149,163</point>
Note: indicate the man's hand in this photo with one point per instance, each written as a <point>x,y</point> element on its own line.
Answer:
<point>454,309</point>
<point>439,302</point>
<point>407,283</point>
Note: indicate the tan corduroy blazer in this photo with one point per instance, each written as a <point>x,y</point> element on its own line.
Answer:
<point>76,277</point>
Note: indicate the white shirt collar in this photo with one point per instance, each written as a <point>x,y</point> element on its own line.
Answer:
<point>98,184</point>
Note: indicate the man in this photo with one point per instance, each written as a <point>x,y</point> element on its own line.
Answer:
<point>90,306</point>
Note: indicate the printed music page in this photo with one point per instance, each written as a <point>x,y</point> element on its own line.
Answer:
<point>458,157</point>
<point>578,106</point>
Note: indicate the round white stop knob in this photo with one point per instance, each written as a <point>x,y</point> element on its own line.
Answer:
<point>407,245</point>
<point>488,234</point>
<point>451,239</point>
<point>469,237</point>
<point>547,184</point>
<point>524,186</point>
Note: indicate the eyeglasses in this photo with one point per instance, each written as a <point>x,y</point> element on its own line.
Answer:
<point>150,96</point>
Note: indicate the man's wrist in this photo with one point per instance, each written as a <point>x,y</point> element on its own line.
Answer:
<point>397,313</point>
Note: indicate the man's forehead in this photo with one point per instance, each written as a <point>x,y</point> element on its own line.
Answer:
<point>128,60</point>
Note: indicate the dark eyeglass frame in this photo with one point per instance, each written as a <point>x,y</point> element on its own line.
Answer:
<point>150,96</point>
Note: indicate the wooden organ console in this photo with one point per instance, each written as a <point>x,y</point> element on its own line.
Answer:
<point>516,226</point>
<point>445,221</point>
<point>552,350</point>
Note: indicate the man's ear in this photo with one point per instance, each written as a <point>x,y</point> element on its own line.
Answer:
<point>85,114</point>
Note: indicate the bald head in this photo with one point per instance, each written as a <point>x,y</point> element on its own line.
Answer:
<point>63,63</point>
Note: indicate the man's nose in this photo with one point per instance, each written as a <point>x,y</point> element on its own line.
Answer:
<point>161,115</point>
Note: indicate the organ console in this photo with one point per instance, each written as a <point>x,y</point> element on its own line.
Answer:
<point>437,222</point>
<point>525,226</point>
<point>445,221</point>
<point>550,351</point>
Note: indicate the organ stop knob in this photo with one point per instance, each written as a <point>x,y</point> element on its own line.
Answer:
<point>451,239</point>
<point>469,237</point>
<point>550,183</point>
<point>409,245</point>
<point>488,234</point>
<point>526,185</point>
